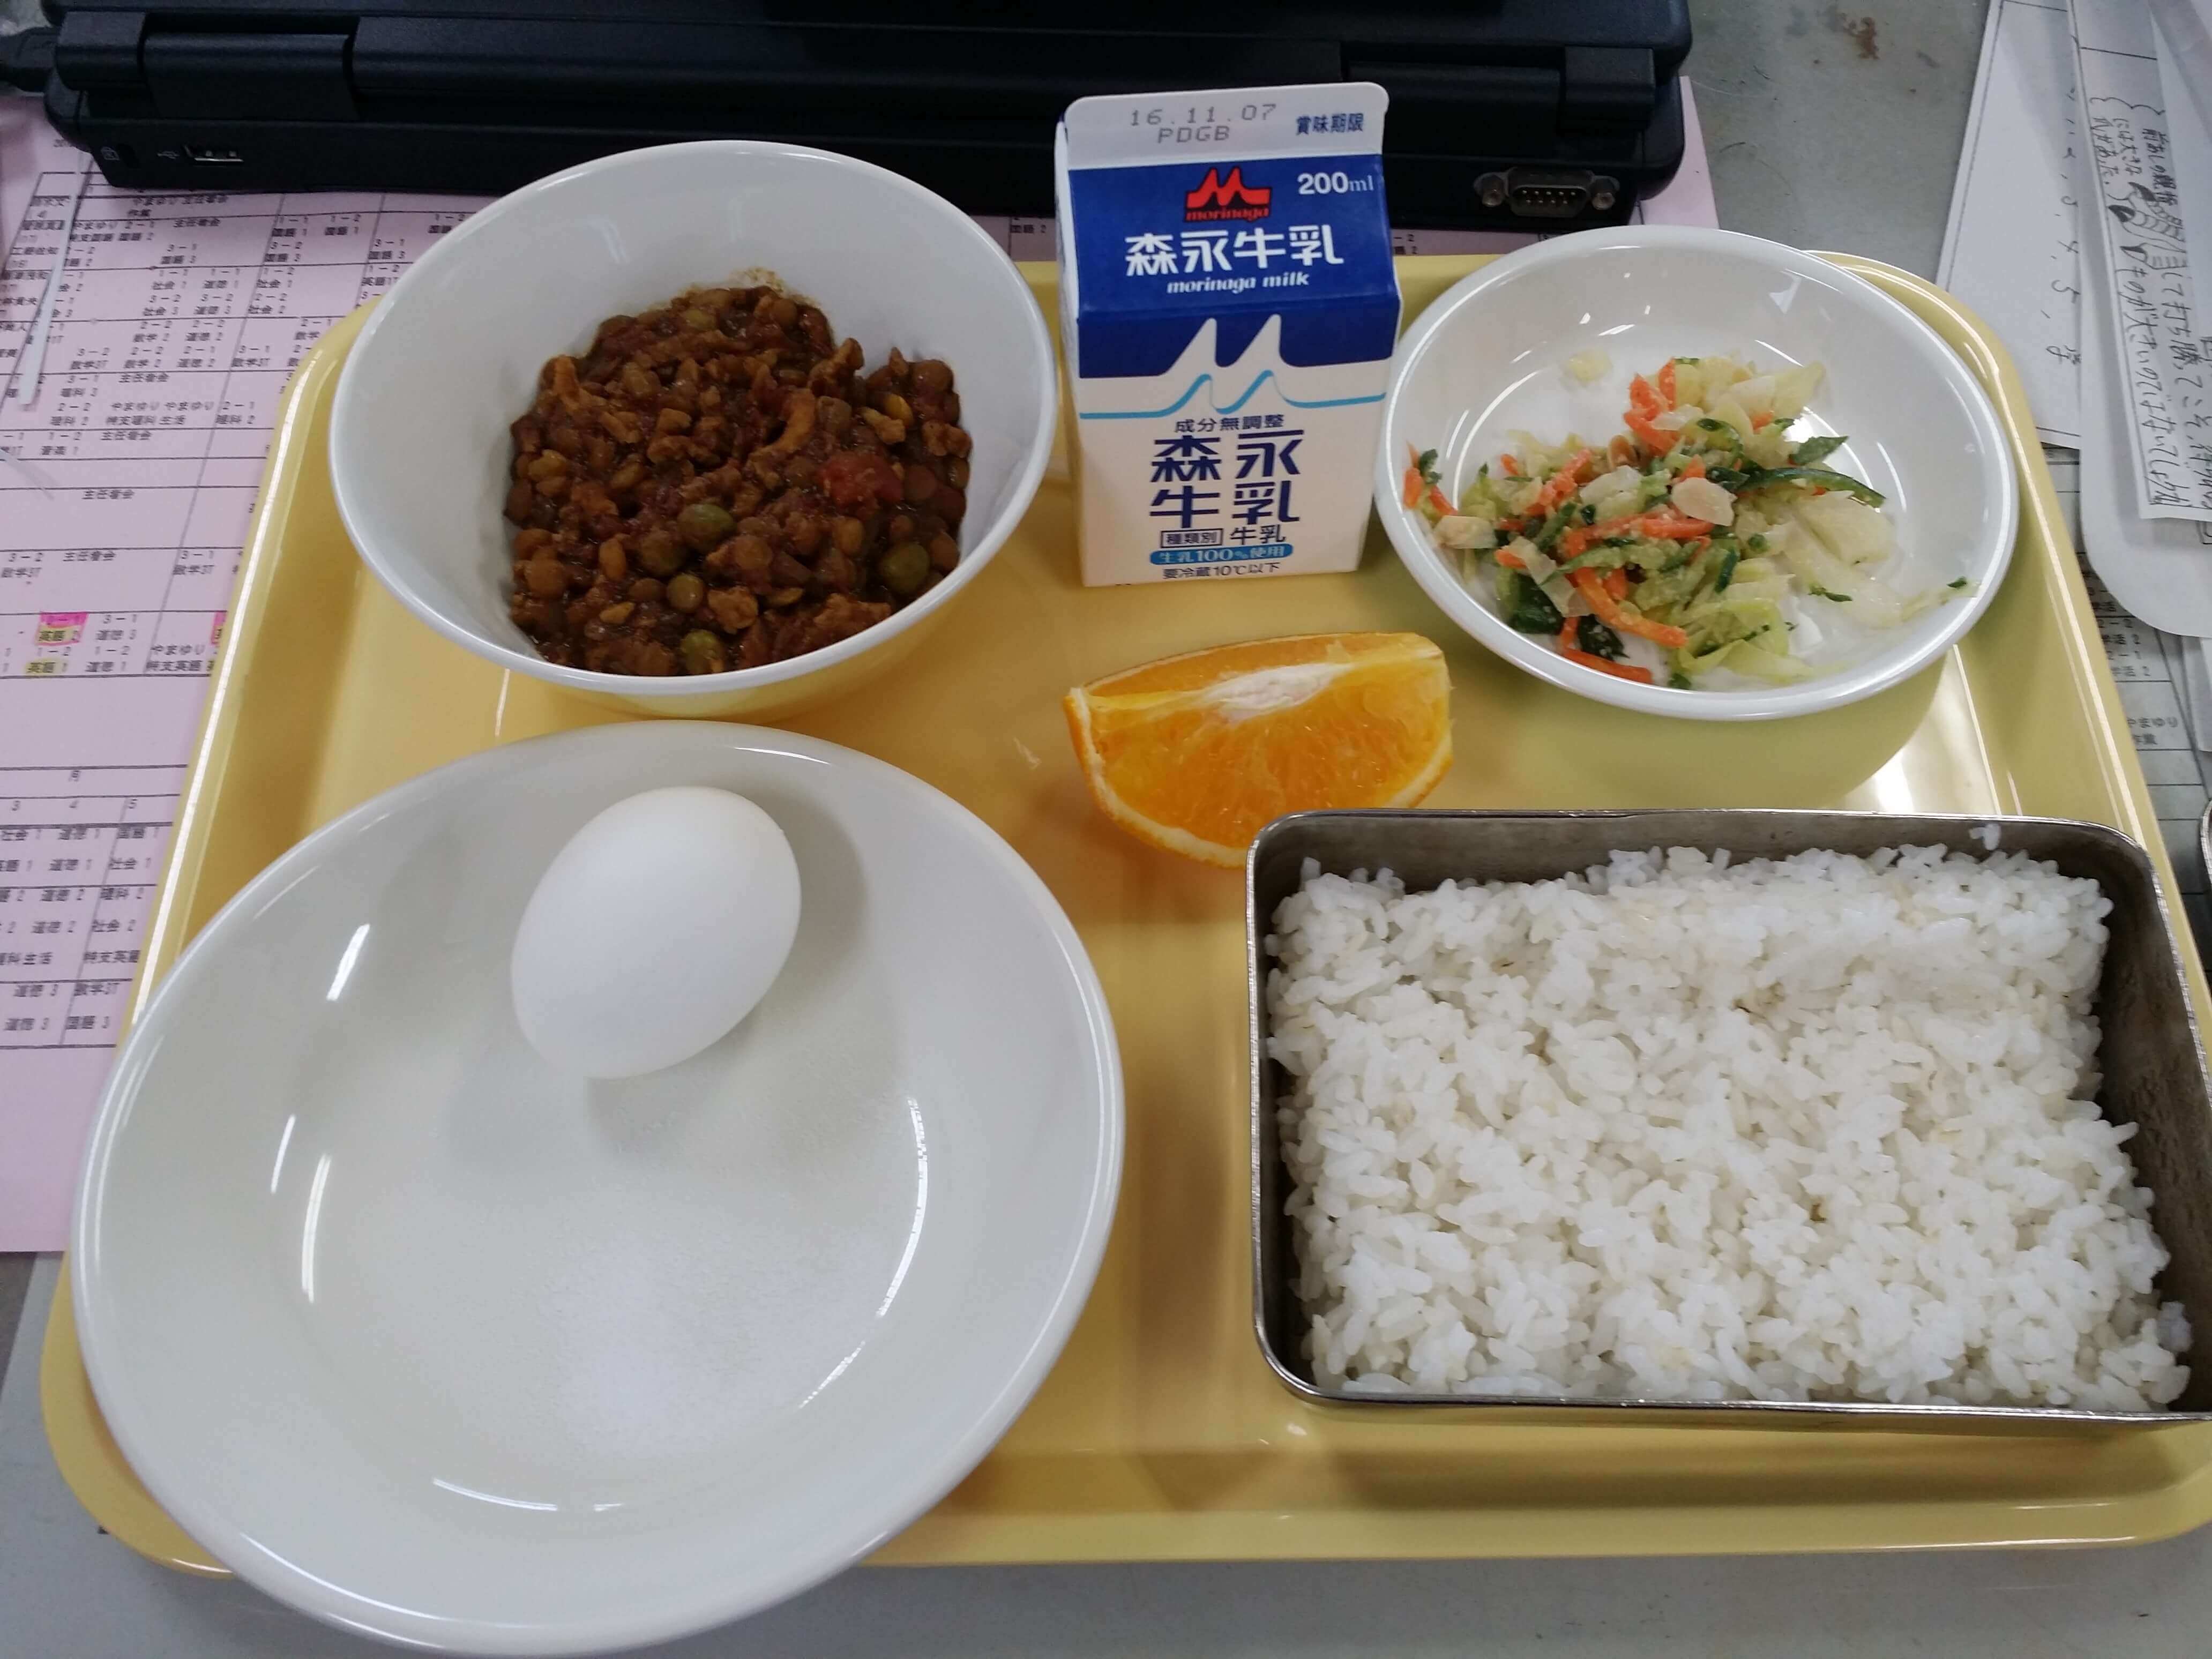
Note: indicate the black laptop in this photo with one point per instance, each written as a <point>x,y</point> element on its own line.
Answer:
<point>1507,114</point>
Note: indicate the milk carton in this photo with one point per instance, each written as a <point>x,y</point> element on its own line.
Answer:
<point>1228,309</point>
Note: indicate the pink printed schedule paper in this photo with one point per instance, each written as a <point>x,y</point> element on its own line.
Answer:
<point>174,325</point>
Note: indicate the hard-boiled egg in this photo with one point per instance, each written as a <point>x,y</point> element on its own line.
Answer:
<point>655,930</point>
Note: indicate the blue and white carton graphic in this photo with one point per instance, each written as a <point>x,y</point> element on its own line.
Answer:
<point>1227,310</point>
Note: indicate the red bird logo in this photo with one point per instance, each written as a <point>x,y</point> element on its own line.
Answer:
<point>1217,197</point>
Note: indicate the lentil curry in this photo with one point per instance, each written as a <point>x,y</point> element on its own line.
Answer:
<point>715,484</point>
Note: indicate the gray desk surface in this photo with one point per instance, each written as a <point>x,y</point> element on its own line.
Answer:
<point>1829,128</point>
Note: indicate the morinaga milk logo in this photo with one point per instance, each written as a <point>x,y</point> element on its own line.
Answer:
<point>1217,197</point>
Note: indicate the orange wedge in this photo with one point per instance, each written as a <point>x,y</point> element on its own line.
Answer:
<point>1195,753</point>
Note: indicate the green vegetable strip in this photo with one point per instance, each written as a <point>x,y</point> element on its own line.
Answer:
<point>1820,477</point>
<point>1594,637</point>
<point>1527,608</point>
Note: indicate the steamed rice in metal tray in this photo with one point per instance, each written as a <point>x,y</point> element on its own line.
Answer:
<point>1813,1129</point>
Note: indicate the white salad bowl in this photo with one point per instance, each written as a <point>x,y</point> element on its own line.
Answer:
<point>1489,359</point>
<point>437,1343</point>
<point>420,449</point>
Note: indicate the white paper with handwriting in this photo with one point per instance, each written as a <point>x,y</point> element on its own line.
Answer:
<point>2132,223</point>
<point>2010,250</point>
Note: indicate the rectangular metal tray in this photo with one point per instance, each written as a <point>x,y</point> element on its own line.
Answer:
<point>1162,1434</point>
<point>2151,1052</point>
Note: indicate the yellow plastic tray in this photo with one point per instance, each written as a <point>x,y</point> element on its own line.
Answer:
<point>1161,1435</point>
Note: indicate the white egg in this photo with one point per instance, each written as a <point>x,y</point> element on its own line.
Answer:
<point>656,929</point>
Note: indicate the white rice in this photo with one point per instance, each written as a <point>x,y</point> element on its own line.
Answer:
<point>1813,1129</point>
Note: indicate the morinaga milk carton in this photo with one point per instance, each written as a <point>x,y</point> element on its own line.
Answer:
<point>1228,309</point>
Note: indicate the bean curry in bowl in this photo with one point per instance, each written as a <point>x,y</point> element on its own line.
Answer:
<point>716,484</point>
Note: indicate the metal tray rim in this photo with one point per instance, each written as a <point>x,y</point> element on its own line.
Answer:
<point>1890,1414</point>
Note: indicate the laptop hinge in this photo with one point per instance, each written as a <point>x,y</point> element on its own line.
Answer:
<point>1608,87</point>
<point>99,50</point>
<point>196,75</point>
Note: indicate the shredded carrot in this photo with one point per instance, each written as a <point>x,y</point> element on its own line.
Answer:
<point>1619,670</point>
<point>1695,470</point>
<point>1415,483</point>
<point>1761,422</point>
<point>1508,466</point>
<point>1616,583</point>
<point>1591,586</point>
<point>1568,634</point>
<point>1440,502</point>
<point>1563,482</point>
<point>1660,523</point>
<point>1655,439</point>
<point>1670,526</point>
<point>1576,541</point>
<point>1643,403</point>
<point>1511,560</point>
<point>1667,383</point>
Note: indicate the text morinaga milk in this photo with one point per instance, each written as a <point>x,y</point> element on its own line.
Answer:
<point>1228,309</point>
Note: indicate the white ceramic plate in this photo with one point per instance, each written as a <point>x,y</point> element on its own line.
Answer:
<point>433,1342</point>
<point>1488,359</point>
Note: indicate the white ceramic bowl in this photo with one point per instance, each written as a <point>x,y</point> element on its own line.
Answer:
<point>1488,359</point>
<point>419,447</point>
<point>434,1342</point>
